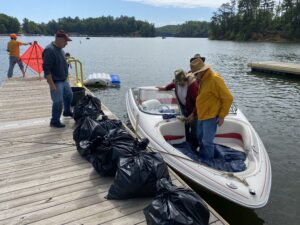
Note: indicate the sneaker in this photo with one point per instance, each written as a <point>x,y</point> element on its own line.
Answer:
<point>70,114</point>
<point>57,125</point>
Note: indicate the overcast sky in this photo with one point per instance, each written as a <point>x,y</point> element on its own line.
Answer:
<point>159,12</point>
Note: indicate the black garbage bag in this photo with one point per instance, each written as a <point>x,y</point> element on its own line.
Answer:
<point>176,206</point>
<point>88,106</point>
<point>106,151</point>
<point>109,124</point>
<point>142,144</point>
<point>137,175</point>
<point>86,131</point>
<point>89,129</point>
<point>121,143</point>
<point>101,158</point>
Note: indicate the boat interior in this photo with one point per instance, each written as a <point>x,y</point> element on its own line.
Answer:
<point>234,134</point>
<point>156,102</point>
<point>161,106</point>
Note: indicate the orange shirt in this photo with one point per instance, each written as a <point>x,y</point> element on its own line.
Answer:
<point>13,47</point>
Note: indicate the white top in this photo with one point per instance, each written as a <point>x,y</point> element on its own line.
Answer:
<point>181,93</point>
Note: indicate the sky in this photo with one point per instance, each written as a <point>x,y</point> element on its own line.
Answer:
<point>158,12</point>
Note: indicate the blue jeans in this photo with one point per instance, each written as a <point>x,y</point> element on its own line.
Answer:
<point>12,62</point>
<point>206,131</point>
<point>61,96</point>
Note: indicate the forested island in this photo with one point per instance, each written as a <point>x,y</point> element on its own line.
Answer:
<point>257,20</point>
<point>242,20</point>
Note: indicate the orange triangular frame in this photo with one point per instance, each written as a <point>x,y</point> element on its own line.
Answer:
<point>33,58</point>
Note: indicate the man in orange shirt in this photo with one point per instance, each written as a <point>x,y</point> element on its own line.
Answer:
<point>13,47</point>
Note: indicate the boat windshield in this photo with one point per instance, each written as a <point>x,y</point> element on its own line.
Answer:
<point>157,102</point>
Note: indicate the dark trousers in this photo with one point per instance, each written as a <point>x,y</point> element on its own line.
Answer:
<point>12,62</point>
<point>191,134</point>
<point>190,130</point>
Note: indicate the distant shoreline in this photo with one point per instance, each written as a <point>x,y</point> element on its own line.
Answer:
<point>269,39</point>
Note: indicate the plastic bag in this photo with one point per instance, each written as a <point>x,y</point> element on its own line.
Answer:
<point>109,124</point>
<point>87,130</point>
<point>107,151</point>
<point>137,176</point>
<point>88,106</point>
<point>101,159</point>
<point>176,206</point>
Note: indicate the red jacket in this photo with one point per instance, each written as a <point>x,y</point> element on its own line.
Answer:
<point>191,95</point>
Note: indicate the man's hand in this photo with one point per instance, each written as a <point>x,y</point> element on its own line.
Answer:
<point>190,118</point>
<point>220,121</point>
<point>161,88</point>
<point>52,87</point>
<point>50,82</point>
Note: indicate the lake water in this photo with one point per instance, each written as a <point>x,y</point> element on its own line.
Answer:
<point>271,103</point>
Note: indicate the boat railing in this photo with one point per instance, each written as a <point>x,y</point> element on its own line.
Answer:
<point>233,109</point>
<point>78,70</point>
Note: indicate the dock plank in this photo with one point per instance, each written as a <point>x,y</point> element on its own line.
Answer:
<point>275,67</point>
<point>43,180</point>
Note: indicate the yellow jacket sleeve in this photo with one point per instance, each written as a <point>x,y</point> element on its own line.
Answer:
<point>225,97</point>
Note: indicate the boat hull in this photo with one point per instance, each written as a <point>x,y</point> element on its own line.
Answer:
<point>250,188</point>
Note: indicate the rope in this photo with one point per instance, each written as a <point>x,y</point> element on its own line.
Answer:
<point>232,175</point>
<point>136,126</point>
<point>176,156</point>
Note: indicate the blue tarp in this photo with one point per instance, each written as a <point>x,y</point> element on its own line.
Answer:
<point>225,158</point>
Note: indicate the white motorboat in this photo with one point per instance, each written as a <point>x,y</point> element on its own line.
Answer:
<point>152,114</point>
<point>102,79</point>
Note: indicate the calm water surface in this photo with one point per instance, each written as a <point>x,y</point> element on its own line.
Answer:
<point>271,103</point>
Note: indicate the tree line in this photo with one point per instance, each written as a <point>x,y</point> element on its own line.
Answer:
<point>100,26</point>
<point>188,29</point>
<point>103,26</point>
<point>256,20</point>
<point>236,20</point>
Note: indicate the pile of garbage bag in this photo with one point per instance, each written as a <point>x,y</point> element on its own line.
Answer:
<point>113,151</point>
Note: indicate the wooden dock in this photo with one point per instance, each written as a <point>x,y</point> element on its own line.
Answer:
<point>43,180</point>
<point>276,67</point>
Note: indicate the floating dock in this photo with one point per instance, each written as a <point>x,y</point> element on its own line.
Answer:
<point>276,67</point>
<point>43,179</point>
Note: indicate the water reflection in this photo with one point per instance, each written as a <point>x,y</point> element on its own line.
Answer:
<point>287,57</point>
<point>228,210</point>
<point>286,79</point>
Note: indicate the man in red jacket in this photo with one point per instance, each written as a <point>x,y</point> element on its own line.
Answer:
<point>186,90</point>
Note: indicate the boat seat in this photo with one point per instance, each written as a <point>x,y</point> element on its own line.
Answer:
<point>151,104</point>
<point>234,131</point>
<point>173,132</point>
